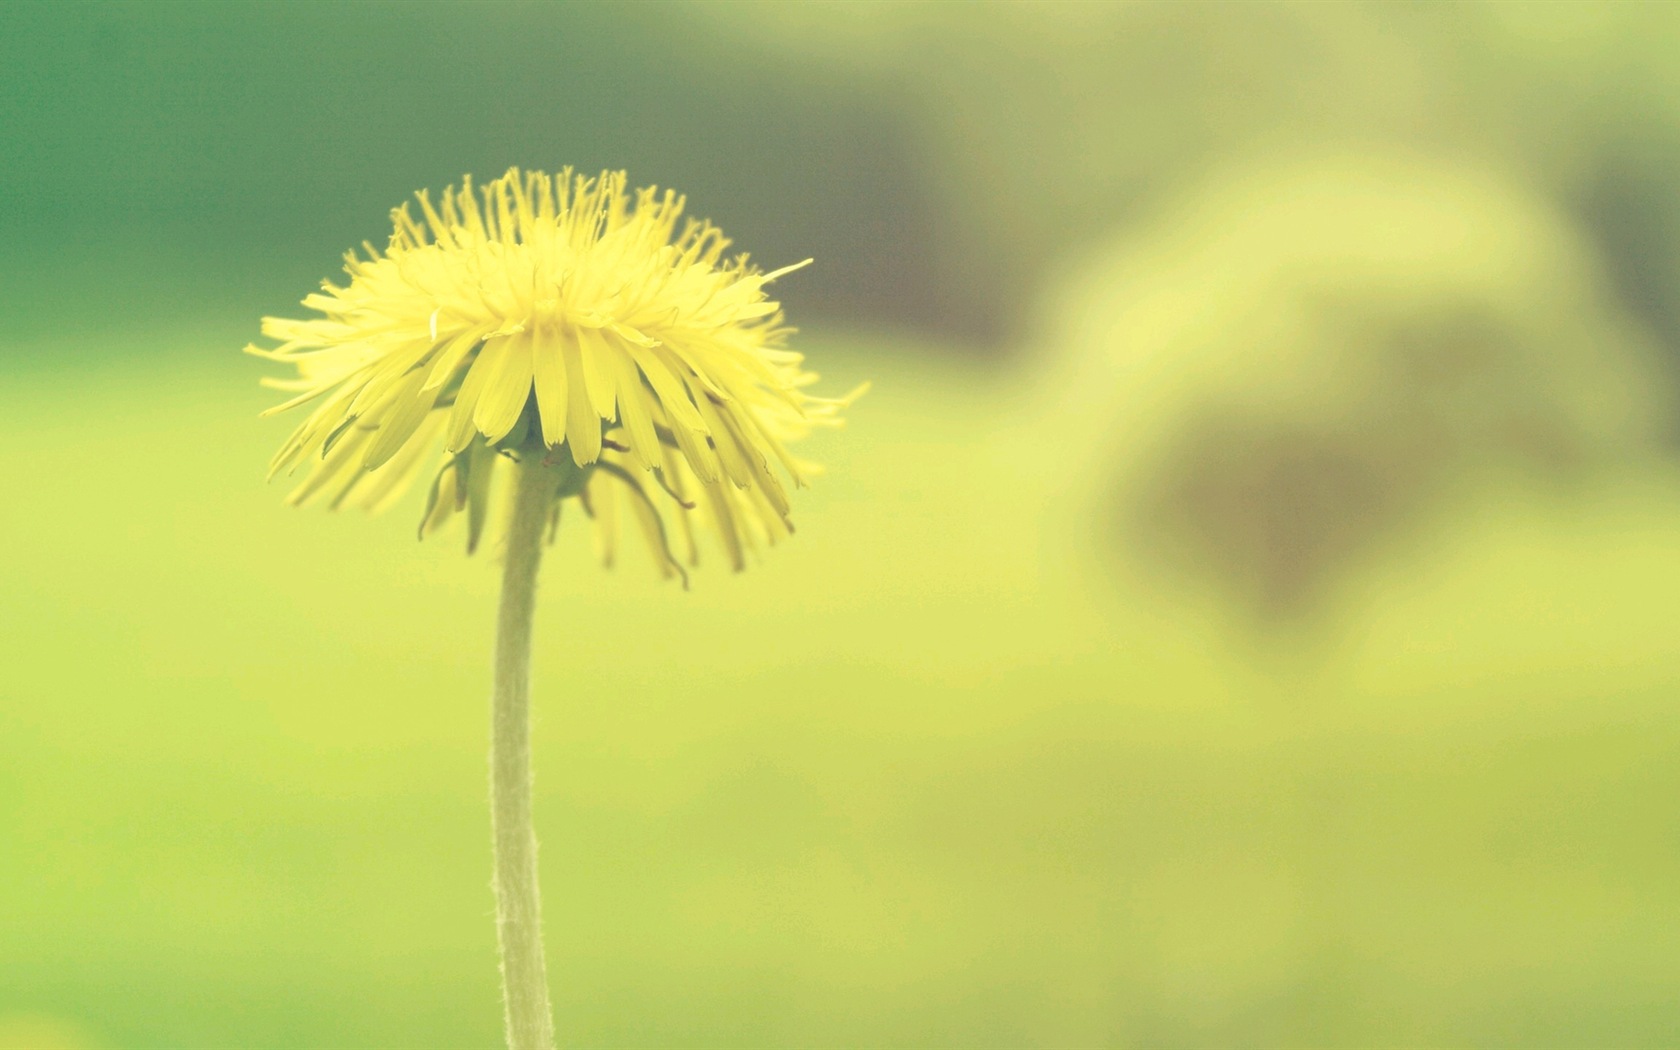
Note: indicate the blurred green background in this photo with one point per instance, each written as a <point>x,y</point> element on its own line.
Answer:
<point>1242,614</point>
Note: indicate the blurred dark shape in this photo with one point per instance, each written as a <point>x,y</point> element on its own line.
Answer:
<point>1301,361</point>
<point>1630,204</point>
<point>1275,508</point>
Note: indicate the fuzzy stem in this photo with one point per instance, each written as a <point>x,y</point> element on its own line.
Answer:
<point>530,1024</point>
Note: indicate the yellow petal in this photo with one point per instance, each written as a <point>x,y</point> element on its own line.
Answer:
<point>730,454</point>
<point>673,394</point>
<point>384,486</point>
<point>408,410</point>
<point>452,354</point>
<point>548,374</point>
<point>598,373</point>
<point>635,412</point>
<point>723,519</point>
<point>461,428</point>
<point>583,426</point>
<point>505,390</point>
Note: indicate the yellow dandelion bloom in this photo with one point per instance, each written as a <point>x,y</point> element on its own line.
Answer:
<point>557,316</point>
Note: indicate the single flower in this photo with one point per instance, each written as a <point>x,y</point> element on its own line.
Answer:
<point>562,314</point>
<point>568,335</point>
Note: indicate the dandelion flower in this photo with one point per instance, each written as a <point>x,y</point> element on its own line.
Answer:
<point>550,313</point>
<point>566,333</point>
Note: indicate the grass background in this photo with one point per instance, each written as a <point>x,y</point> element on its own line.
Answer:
<point>933,775</point>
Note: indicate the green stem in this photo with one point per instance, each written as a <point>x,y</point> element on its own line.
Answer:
<point>530,1023</point>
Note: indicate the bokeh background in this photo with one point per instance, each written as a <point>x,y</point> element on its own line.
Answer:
<point>1242,614</point>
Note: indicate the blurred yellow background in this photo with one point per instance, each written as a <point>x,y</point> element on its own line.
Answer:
<point>1240,614</point>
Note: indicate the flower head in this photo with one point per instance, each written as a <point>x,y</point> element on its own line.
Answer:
<point>555,316</point>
